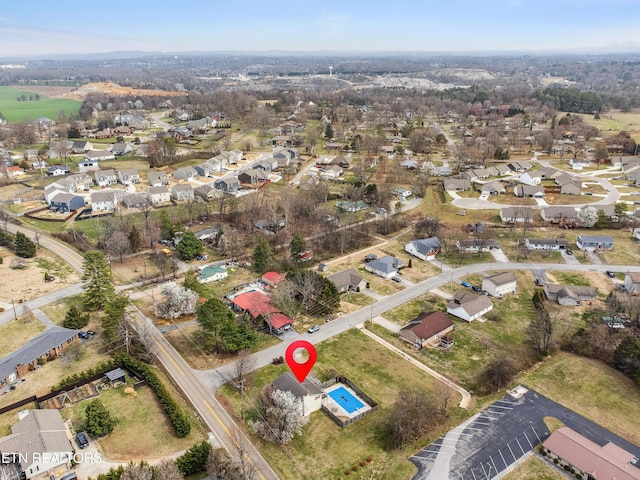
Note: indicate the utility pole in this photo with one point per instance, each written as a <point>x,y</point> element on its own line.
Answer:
<point>13,304</point>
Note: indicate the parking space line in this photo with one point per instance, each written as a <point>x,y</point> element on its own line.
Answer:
<point>498,406</point>
<point>494,464</point>
<point>509,447</point>
<point>518,441</point>
<point>474,475</point>
<point>483,470</point>
<point>537,436</point>
<point>503,460</point>
<point>525,436</point>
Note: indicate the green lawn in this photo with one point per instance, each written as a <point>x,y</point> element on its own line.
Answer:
<point>535,469</point>
<point>15,111</point>
<point>326,450</point>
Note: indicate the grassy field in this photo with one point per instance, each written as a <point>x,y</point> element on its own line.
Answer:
<point>15,334</point>
<point>143,431</point>
<point>590,388</point>
<point>15,111</point>
<point>535,468</point>
<point>613,122</point>
<point>326,450</point>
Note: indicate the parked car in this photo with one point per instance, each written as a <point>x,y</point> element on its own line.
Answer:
<point>466,284</point>
<point>313,329</point>
<point>370,258</point>
<point>476,289</point>
<point>396,279</point>
<point>82,440</point>
<point>569,252</point>
<point>610,274</point>
<point>84,335</point>
<point>539,283</point>
<point>91,332</point>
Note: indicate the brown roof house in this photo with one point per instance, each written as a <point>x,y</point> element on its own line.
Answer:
<point>347,280</point>
<point>40,443</point>
<point>589,460</point>
<point>309,392</point>
<point>569,294</point>
<point>469,307</point>
<point>427,329</point>
<point>632,282</point>
<point>500,284</point>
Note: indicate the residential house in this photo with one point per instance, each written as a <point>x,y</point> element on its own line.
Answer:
<point>271,225</point>
<point>57,171</point>
<point>385,267</point>
<point>427,329</point>
<point>47,346</point>
<point>401,193</point>
<point>594,242</point>
<point>228,184</point>
<point>334,146</point>
<point>157,179</point>
<point>159,195</point>
<point>14,171</point>
<point>424,249</point>
<point>267,165</point>
<point>38,445</point>
<point>530,178</point>
<point>457,184</point>
<point>82,181</point>
<point>546,243</point>
<point>528,191</point>
<point>330,172</point>
<point>136,200</point>
<point>207,169</point>
<point>81,146</point>
<point>252,176</point>
<point>181,134</point>
<point>569,294</point>
<point>499,170</point>
<point>409,164</point>
<point>185,173</point>
<point>88,165</point>
<point>104,178</point>
<point>341,161</point>
<point>308,392</point>
<point>632,282</point>
<point>569,184</point>
<point>182,192</point>
<point>309,183</point>
<point>476,245</point>
<point>351,206</point>
<point>129,176</point>
<point>212,273</point>
<point>207,192</point>
<point>258,305</point>
<point>121,148</point>
<point>272,279</point>
<point>66,202</point>
<point>500,284</point>
<point>99,155</point>
<point>105,200</point>
<point>549,173</point>
<point>202,125</point>
<point>207,234</point>
<point>348,279</point>
<point>559,214</point>
<point>516,215</point>
<point>519,166</point>
<point>282,141</point>
<point>589,460</point>
<point>469,307</point>
<point>495,187</point>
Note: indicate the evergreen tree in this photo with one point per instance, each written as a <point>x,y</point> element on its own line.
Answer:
<point>167,229</point>
<point>98,420</point>
<point>23,247</point>
<point>134,239</point>
<point>97,281</point>
<point>189,247</point>
<point>328,131</point>
<point>113,315</point>
<point>222,332</point>
<point>297,246</point>
<point>75,319</point>
<point>262,256</point>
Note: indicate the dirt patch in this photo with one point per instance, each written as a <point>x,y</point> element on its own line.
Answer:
<point>28,283</point>
<point>50,91</point>
<point>110,88</point>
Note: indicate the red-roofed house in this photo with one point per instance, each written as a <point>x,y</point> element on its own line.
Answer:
<point>427,329</point>
<point>273,278</point>
<point>588,459</point>
<point>258,304</point>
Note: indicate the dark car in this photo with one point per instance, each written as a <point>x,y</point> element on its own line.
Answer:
<point>82,440</point>
<point>396,279</point>
<point>476,289</point>
<point>539,282</point>
<point>370,258</point>
<point>569,252</point>
<point>610,274</point>
<point>84,335</point>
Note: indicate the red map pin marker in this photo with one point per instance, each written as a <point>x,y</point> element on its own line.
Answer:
<point>300,370</point>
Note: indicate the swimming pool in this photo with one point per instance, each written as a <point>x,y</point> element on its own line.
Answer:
<point>346,399</point>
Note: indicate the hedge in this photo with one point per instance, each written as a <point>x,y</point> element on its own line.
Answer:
<point>180,421</point>
<point>84,375</point>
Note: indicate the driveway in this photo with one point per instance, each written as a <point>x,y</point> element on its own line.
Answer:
<point>569,259</point>
<point>500,435</point>
<point>499,255</point>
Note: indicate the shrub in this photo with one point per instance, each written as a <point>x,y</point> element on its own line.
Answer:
<point>347,472</point>
<point>194,460</point>
<point>369,459</point>
<point>355,468</point>
<point>555,460</point>
<point>363,463</point>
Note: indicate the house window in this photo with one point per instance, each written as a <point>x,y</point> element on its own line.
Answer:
<point>69,341</point>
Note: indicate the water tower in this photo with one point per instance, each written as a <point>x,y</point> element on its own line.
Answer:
<point>330,71</point>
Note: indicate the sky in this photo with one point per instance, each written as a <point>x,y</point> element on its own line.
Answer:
<point>46,27</point>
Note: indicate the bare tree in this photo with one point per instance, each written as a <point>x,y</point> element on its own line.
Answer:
<point>245,363</point>
<point>4,216</point>
<point>117,243</point>
<point>72,353</point>
<point>167,470</point>
<point>137,471</point>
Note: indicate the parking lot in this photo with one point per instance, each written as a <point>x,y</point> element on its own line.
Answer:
<point>497,437</point>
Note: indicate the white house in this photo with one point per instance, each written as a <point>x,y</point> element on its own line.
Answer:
<point>104,178</point>
<point>88,165</point>
<point>385,267</point>
<point>571,295</point>
<point>128,176</point>
<point>632,282</point>
<point>546,244</point>
<point>104,200</point>
<point>468,306</point>
<point>594,242</point>
<point>499,284</point>
<point>425,249</point>
<point>212,273</point>
<point>308,391</point>
<point>159,195</point>
<point>530,178</point>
